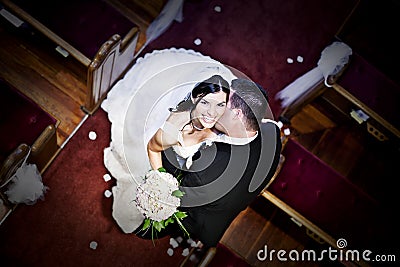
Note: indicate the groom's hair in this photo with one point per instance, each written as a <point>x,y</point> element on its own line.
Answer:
<point>252,99</point>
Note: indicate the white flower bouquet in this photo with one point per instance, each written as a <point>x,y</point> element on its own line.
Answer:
<point>158,198</point>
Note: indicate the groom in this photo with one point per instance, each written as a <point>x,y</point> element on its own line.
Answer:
<point>226,177</point>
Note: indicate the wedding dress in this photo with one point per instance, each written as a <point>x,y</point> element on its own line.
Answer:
<point>184,153</point>
<point>137,107</point>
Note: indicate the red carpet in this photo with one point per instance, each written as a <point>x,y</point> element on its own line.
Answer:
<point>255,37</point>
<point>58,231</point>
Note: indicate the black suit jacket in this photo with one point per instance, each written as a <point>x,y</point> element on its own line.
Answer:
<point>223,180</point>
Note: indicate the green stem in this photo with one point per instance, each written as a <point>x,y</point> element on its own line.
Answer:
<point>152,233</point>
<point>181,225</point>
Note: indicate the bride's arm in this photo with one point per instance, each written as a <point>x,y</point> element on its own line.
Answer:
<point>164,138</point>
<point>154,148</point>
<point>168,135</point>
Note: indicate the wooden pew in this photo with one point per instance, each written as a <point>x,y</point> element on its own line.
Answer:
<point>91,31</point>
<point>27,133</point>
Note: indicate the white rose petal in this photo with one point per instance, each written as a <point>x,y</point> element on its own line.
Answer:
<point>170,252</point>
<point>93,245</point>
<point>289,60</point>
<point>179,239</point>
<point>193,244</point>
<point>185,252</point>
<point>107,193</point>
<point>173,243</point>
<point>92,135</point>
<point>299,59</point>
<point>197,41</point>
<point>106,177</point>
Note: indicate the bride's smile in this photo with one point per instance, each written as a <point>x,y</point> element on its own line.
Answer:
<point>209,109</point>
<point>207,119</point>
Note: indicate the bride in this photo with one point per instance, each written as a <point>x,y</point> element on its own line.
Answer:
<point>147,115</point>
<point>190,124</point>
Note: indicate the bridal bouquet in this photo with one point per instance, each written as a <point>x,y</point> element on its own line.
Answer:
<point>158,198</point>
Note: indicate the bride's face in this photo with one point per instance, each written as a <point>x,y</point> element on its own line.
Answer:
<point>209,109</point>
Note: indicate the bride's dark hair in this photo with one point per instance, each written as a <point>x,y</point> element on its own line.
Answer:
<point>214,84</point>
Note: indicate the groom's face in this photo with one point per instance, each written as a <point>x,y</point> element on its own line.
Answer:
<point>226,121</point>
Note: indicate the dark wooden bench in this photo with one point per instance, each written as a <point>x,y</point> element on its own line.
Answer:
<point>27,132</point>
<point>91,31</point>
<point>322,199</point>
